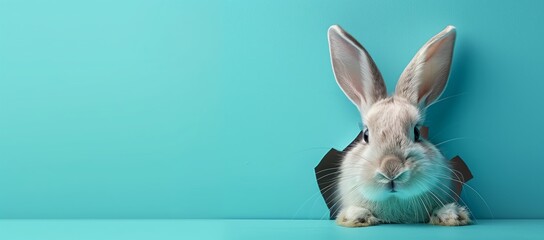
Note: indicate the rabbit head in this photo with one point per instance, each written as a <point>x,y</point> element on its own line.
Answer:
<point>392,160</point>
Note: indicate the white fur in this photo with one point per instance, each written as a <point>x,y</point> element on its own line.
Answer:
<point>353,216</point>
<point>370,190</point>
<point>450,215</point>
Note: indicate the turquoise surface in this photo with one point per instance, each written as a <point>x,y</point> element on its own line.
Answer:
<point>259,229</point>
<point>221,109</point>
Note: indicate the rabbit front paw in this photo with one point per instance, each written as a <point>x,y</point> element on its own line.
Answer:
<point>450,215</point>
<point>356,217</point>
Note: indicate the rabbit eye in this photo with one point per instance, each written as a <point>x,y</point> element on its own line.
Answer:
<point>365,135</point>
<point>416,134</point>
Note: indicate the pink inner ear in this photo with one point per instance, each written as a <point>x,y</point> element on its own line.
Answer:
<point>431,50</point>
<point>427,84</point>
<point>347,64</point>
<point>424,91</point>
<point>355,76</point>
<point>436,70</point>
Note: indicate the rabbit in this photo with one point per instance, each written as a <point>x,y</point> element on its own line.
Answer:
<point>393,175</point>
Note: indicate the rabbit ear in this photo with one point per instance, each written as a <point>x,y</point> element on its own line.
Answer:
<point>425,77</point>
<point>354,70</point>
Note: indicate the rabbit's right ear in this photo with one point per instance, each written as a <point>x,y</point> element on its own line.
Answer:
<point>425,77</point>
<point>354,70</point>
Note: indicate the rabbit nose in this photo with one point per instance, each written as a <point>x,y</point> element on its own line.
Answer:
<point>402,176</point>
<point>392,169</point>
<point>391,165</point>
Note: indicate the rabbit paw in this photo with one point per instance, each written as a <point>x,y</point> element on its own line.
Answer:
<point>356,217</point>
<point>450,215</point>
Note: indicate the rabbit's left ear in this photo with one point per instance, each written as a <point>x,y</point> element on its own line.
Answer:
<point>425,77</point>
<point>354,70</point>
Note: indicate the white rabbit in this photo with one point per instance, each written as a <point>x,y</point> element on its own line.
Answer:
<point>392,175</point>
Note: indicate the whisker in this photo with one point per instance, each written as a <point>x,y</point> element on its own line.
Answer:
<point>449,97</point>
<point>474,190</point>
<point>327,188</point>
<point>328,169</point>
<point>432,193</point>
<point>453,198</point>
<point>458,174</point>
<point>311,148</point>
<point>450,140</point>
<point>460,199</point>
<point>303,204</point>
<point>338,201</point>
<point>426,210</point>
<point>419,198</point>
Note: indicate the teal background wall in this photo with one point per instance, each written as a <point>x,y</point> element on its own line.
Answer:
<point>221,109</point>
